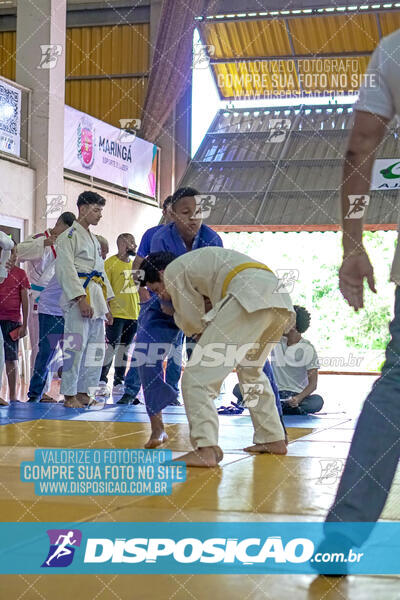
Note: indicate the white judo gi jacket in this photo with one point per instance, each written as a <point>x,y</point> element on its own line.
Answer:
<point>215,273</point>
<point>40,260</point>
<point>78,251</point>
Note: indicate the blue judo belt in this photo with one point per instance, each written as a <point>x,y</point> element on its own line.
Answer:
<point>37,288</point>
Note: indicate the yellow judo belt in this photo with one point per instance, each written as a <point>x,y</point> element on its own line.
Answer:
<point>98,278</point>
<point>238,269</point>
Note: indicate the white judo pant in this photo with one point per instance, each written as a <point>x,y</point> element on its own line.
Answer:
<point>83,349</point>
<point>201,381</point>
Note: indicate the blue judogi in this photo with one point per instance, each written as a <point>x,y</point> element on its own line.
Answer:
<point>174,367</point>
<point>156,327</point>
<point>145,242</point>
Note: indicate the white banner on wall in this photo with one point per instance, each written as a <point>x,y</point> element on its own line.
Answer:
<point>10,118</point>
<point>95,148</point>
<point>386,174</point>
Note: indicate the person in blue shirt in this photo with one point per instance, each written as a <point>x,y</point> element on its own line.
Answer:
<point>145,242</point>
<point>174,363</point>
<point>157,331</point>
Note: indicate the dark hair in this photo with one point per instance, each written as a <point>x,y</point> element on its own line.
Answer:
<point>123,236</point>
<point>166,202</point>
<point>153,264</point>
<point>67,218</point>
<point>183,192</point>
<point>303,318</point>
<point>90,198</point>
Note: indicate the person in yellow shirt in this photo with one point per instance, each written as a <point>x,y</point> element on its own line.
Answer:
<point>125,310</point>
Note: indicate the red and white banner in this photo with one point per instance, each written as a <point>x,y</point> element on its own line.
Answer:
<point>98,149</point>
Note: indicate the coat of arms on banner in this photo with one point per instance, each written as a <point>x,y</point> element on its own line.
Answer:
<point>85,141</point>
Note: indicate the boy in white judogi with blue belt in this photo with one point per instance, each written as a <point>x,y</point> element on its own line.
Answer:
<point>86,292</point>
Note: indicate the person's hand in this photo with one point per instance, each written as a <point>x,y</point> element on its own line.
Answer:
<point>85,308</point>
<point>51,240</point>
<point>294,401</point>
<point>22,331</point>
<point>351,278</point>
<point>109,319</point>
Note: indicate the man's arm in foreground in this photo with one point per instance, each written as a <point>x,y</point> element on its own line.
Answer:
<point>366,135</point>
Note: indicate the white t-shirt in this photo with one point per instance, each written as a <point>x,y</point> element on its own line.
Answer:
<point>291,363</point>
<point>381,96</point>
<point>381,92</point>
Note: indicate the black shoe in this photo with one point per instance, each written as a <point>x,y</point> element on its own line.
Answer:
<point>175,403</point>
<point>128,399</point>
<point>33,400</point>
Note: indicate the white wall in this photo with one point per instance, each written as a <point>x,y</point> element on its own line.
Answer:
<point>17,185</point>
<point>120,215</point>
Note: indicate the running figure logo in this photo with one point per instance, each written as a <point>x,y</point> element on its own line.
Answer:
<point>286,280</point>
<point>251,394</point>
<point>357,206</point>
<point>62,550</point>
<point>50,54</point>
<point>331,471</point>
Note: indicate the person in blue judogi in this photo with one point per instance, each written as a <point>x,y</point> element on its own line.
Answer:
<point>157,333</point>
<point>174,364</point>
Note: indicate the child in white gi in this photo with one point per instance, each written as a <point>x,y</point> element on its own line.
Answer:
<point>233,305</point>
<point>39,252</point>
<point>86,291</point>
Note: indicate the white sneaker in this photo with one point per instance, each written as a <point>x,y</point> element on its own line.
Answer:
<point>103,390</point>
<point>119,389</point>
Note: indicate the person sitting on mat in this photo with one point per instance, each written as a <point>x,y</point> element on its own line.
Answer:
<point>222,296</point>
<point>295,366</point>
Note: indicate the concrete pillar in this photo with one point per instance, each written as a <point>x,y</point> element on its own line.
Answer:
<point>40,66</point>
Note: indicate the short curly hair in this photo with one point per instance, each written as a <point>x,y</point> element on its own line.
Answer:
<point>152,265</point>
<point>303,318</point>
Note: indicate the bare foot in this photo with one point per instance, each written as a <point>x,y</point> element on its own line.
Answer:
<point>84,399</point>
<point>158,435</point>
<point>209,456</point>
<point>156,440</point>
<point>47,398</point>
<point>3,402</point>
<point>268,448</point>
<point>72,402</point>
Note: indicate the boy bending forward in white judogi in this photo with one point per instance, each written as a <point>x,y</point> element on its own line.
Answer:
<point>233,305</point>
<point>86,291</point>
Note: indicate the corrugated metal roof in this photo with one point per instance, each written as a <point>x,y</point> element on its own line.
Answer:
<point>272,43</point>
<point>293,183</point>
<point>92,55</point>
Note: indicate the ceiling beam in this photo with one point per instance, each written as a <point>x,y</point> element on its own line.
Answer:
<point>290,11</point>
<point>240,59</point>
<point>78,16</point>
<point>111,76</point>
<point>242,6</point>
<point>297,228</point>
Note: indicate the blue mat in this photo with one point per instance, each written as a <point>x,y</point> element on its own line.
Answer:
<point>20,412</point>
